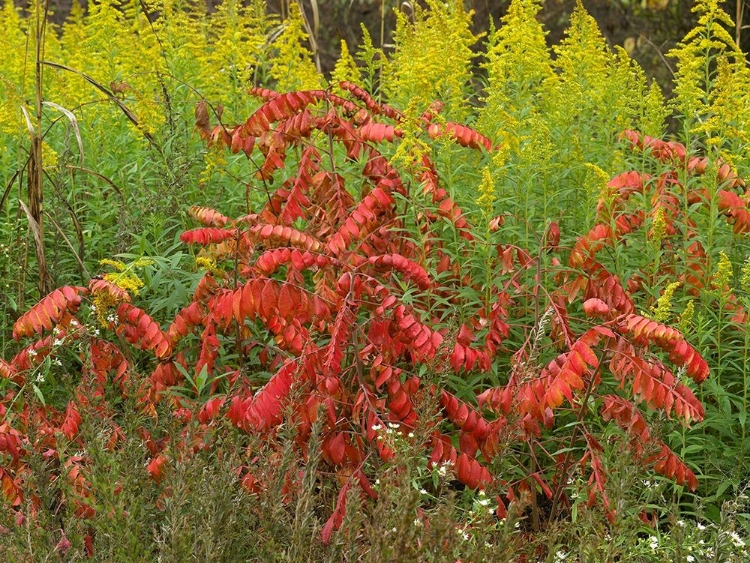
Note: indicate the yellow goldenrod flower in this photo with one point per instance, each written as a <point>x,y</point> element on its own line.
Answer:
<point>663,308</point>
<point>487,197</point>
<point>659,227</point>
<point>723,275</point>
<point>292,67</point>
<point>745,279</point>
<point>433,57</point>
<point>346,68</point>
<point>686,319</point>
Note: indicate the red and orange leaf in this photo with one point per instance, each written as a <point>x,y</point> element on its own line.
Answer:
<point>207,235</point>
<point>48,312</point>
<point>209,217</point>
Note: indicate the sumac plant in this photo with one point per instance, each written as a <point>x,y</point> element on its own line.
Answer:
<point>344,289</point>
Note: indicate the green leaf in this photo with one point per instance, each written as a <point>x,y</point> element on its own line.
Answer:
<point>39,394</point>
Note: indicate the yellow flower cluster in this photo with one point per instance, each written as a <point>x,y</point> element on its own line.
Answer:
<point>433,57</point>
<point>723,275</point>
<point>292,66</point>
<point>487,197</point>
<point>745,279</point>
<point>659,227</point>
<point>712,79</point>
<point>686,319</point>
<point>124,278</point>
<point>346,68</point>
<point>663,308</point>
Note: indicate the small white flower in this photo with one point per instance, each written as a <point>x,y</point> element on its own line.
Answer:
<point>700,526</point>
<point>57,342</point>
<point>442,470</point>
<point>393,530</point>
<point>58,362</point>
<point>74,323</point>
<point>518,525</point>
<point>560,556</point>
<point>40,378</point>
<point>96,332</point>
<point>417,522</point>
<point>681,523</point>
<point>32,353</point>
<point>423,492</point>
<point>93,308</point>
<point>411,434</point>
<point>690,559</point>
<point>484,501</point>
<point>654,542</point>
<point>376,427</point>
<point>377,482</point>
<point>394,425</point>
<point>736,539</point>
<point>491,511</point>
<point>465,536</point>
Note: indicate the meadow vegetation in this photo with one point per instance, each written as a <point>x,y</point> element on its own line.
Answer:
<point>468,298</point>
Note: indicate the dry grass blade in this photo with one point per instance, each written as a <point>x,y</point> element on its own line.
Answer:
<point>129,114</point>
<point>73,122</point>
<point>38,242</point>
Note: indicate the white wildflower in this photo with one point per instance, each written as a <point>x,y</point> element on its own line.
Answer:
<point>736,539</point>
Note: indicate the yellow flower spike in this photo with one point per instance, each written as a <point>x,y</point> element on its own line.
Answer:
<point>686,319</point>
<point>745,279</point>
<point>655,112</point>
<point>723,275</point>
<point>433,57</point>
<point>518,62</point>
<point>292,67</point>
<point>49,156</point>
<point>116,264</point>
<point>597,183</point>
<point>487,197</point>
<point>659,227</point>
<point>663,308</point>
<point>346,68</point>
<point>697,91</point>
